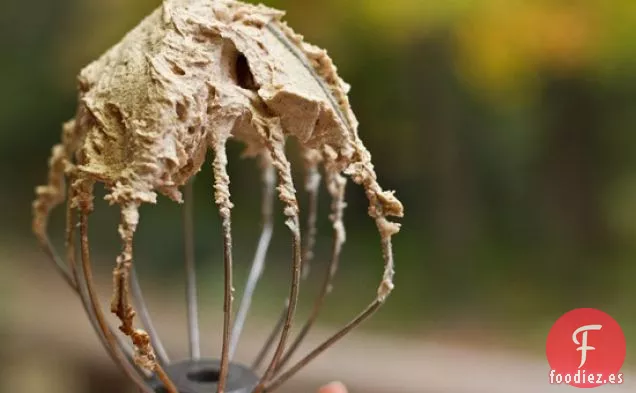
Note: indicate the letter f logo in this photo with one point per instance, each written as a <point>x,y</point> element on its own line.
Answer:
<point>583,344</point>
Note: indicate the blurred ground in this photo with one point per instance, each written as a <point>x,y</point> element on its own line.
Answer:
<point>53,349</point>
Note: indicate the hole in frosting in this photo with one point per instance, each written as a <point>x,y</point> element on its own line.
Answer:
<point>244,76</point>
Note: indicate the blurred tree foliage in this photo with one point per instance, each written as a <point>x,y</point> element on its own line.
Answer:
<point>505,125</point>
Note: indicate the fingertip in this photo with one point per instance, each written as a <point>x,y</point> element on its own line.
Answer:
<point>333,387</point>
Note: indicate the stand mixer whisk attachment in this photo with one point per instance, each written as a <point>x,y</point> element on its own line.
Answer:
<point>190,77</point>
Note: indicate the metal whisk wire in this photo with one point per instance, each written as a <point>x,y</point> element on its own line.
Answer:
<point>80,278</point>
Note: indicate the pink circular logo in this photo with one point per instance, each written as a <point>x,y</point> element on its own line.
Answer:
<point>586,349</point>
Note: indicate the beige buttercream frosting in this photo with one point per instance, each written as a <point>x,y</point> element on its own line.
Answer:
<point>190,76</point>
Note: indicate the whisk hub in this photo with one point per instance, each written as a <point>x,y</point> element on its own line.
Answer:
<point>202,376</point>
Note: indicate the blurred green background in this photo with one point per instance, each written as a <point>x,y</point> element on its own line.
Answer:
<point>505,126</point>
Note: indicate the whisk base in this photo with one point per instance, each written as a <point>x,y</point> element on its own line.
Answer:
<point>201,376</point>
